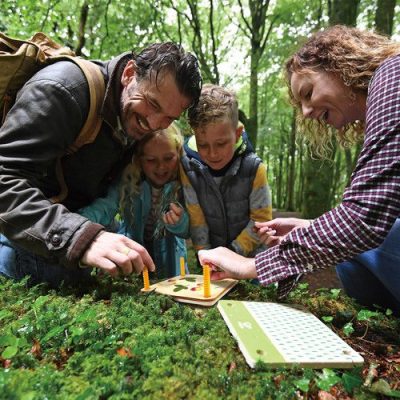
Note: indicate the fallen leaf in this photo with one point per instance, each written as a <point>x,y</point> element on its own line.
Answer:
<point>124,352</point>
<point>36,349</point>
<point>232,367</point>
<point>322,395</point>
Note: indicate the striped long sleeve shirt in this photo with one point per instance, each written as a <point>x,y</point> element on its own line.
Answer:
<point>370,204</point>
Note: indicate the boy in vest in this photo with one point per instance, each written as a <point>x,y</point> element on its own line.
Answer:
<point>224,181</point>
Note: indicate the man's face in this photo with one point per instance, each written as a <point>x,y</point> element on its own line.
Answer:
<point>149,105</point>
<point>216,143</point>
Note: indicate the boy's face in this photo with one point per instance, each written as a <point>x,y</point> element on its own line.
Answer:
<point>216,143</point>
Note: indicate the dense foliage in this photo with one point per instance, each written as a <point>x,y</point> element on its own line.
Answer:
<point>240,44</point>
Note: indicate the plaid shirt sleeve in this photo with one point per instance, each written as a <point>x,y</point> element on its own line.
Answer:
<point>370,204</point>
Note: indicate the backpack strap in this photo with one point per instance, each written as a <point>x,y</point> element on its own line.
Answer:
<point>93,121</point>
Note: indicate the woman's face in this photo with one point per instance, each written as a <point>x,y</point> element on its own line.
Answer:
<point>324,97</point>
<point>159,160</point>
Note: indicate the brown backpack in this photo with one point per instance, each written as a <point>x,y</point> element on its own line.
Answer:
<point>21,59</point>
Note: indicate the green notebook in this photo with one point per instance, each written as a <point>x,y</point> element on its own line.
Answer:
<point>283,336</point>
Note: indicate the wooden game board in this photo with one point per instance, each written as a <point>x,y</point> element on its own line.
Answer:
<point>190,289</point>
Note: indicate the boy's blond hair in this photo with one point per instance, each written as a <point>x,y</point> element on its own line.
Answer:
<point>215,104</point>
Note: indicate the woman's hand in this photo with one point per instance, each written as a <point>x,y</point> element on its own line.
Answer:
<point>232,264</point>
<point>273,232</point>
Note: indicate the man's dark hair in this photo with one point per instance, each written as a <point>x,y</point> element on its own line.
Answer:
<point>172,58</point>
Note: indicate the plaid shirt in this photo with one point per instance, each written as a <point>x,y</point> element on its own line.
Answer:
<point>370,204</point>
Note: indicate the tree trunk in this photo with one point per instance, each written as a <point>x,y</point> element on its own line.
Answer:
<point>252,123</point>
<point>291,165</point>
<point>384,16</point>
<point>317,180</point>
<point>343,12</point>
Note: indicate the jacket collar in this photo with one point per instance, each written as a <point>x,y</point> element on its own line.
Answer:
<point>242,147</point>
<point>112,99</point>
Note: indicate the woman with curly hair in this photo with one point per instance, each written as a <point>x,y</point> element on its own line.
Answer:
<point>148,199</point>
<point>344,81</point>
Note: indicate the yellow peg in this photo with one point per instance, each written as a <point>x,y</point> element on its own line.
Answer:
<point>206,280</point>
<point>146,281</point>
<point>182,261</point>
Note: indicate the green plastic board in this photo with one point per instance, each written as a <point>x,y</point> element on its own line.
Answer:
<point>282,335</point>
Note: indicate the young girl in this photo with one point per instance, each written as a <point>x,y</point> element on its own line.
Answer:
<point>148,199</point>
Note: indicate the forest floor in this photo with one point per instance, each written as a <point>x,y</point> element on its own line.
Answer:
<point>111,342</point>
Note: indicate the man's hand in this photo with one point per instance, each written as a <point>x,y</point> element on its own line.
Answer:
<point>117,255</point>
<point>174,214</point>
<point>232,264</point>
<point>273,232</point>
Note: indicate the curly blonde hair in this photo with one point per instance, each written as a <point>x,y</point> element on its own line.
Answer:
<point>215,104</point>
<point>133,176</point>
<point>351,54</point>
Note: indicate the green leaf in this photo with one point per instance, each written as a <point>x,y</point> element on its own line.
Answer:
<point>40,301</point>
<point>348,329</point>
<point>179,288</point>
<point>366,315</point>
<point>327,379</point>
<point>53,332</point>
<point>88,393</point>
<point>22,342</point>
<point>382,387</point>
<point>88,314</point>
<point>302,384</point>
<point>5,314</point>
<point>76,331</point>
<point>8,340</point>
<point>335,293</point>
<point>29,396</point>
<point>327,319</point>
<point>351,381</point>
<point>9,352</point>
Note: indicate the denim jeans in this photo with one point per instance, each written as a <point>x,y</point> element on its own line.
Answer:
<point>373,277</point>
<point>16,263</point>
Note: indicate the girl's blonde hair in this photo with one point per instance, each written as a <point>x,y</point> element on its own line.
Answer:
<point>133,176</point>
<point>351,54</point>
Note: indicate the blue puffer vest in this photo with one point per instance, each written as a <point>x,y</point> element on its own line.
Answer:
<point>226,207</point>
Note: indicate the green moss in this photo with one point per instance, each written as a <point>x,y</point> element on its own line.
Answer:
<point>113,342</point>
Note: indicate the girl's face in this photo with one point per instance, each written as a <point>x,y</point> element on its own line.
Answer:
<point>216,143</point>
<point>159,161</point>
<point>325,97</point>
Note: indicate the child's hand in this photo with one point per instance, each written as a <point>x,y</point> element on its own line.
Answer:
<point>174,214</point>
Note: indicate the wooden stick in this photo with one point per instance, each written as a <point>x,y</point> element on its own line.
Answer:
<point>183,272</point>
<point>146,280</point>
<point>206,280</point>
